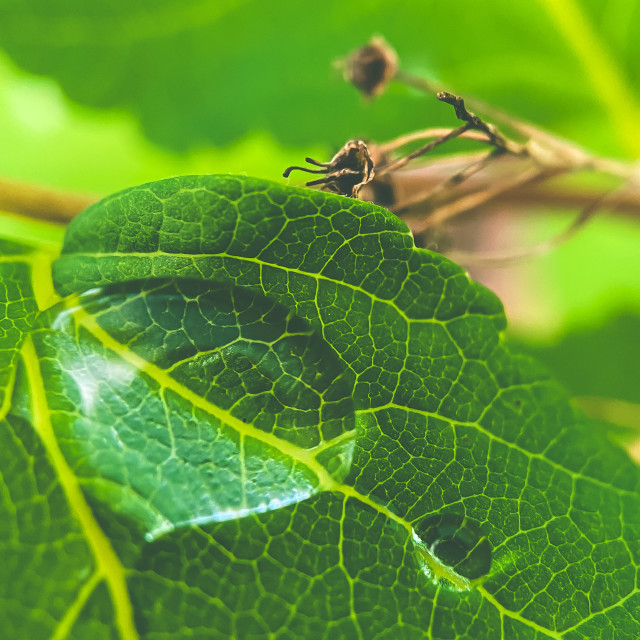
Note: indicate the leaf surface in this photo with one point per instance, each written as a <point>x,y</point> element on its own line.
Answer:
<point>21,266</point>
<point>459,443</point>
<point>47,562</point>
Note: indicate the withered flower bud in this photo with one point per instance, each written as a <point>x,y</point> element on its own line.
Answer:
<point>346,173</point>
<point>370,68</point>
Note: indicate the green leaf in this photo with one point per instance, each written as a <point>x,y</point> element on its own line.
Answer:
<point>462,450</point>
<point>22,288</point>
<point>197,73</point>
<point>17,310</point>
<point>48,571</point>
<point>48,574</point>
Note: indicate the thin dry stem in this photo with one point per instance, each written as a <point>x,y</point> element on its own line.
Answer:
<point>428,197</point>
<point>42,203</point>
<point>428,134</point>
<point>504,258</point>
<point>401,162</point>
<point>474,200</point>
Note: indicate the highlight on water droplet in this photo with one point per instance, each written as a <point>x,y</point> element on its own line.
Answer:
<point>452,550</point>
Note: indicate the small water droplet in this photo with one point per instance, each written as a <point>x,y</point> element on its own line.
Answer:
<point>452,550</point>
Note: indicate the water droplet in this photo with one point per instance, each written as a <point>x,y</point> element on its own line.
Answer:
<point>184,403</point>
<point>452,550</point>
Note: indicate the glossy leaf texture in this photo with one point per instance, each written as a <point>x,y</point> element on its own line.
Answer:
<point>461,450</point>
<point>197,73</point>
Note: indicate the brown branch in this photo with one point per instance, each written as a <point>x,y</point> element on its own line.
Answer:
<point>427,134</point>
<point>498,258</point>
<point>525,129</point>
<point>411,187</point>
<point>479,181</point>
<point>401,162</point>
<point>42,203</point>
<point>474,200</point>
<point>490,130</point>
<point>427,197</point>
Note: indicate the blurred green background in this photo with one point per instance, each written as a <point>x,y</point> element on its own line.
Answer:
<point>100,96</point>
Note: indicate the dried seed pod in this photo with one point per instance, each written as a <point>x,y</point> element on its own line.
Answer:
<point>370,68</point>
<point>346,173</point>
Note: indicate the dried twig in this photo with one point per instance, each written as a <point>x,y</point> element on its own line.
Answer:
<point>401,162</point>
<point>473,200</point>
<point>530,164</point>
<point>427,134</point>
<point>40,202</point>
<point>502,258</point>
<point>429,196</point>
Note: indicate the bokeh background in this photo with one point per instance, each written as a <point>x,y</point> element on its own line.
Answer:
<point>99,96</point>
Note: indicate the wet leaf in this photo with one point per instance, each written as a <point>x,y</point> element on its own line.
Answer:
<point>180,404</point>
<point>470,500</point>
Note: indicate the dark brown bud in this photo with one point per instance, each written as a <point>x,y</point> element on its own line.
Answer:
<point>370,68</point>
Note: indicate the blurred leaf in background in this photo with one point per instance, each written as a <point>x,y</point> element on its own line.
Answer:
<point>613,344</point>
<point>137,91</point>
<point>47,138</point>
<point>210,72</point>
<point>599,363</point>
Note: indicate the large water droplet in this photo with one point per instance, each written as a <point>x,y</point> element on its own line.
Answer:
<point>182,403</point>
<point>452,550</point>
